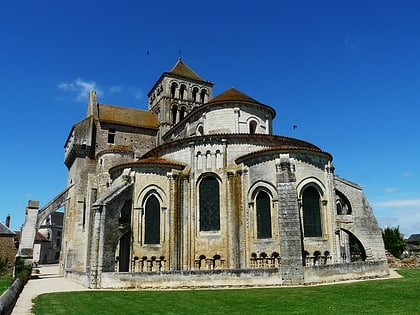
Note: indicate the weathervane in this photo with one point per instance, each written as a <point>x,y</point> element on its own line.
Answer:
<point>179,54</point>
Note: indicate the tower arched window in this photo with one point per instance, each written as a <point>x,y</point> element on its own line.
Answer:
<point>209,196</point>
<point>174,113</point>
<point>152,221</point>
<point>182,91</point>
<point>173,89</point>
<point>182,113</point>
<point>263,205</point>
<point>203,94</point>
<point>252,126</point>
<point>311,212</point>
<point>194,94</point>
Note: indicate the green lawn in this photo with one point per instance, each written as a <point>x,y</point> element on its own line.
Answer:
<point>5,282</point>
<point>393,296</point>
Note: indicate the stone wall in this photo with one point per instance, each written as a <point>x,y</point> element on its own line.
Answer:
<point>350,271</point>
<point>8,249</point>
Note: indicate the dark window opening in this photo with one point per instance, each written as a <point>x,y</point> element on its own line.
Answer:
<point>182,91</point>
<point>194,94</point>
<point>173,89</point>
<point>263,215</point>
<point>152,221</point>
<point>209,204</point>
<point>174,113</point>
<point>182,113</point>
<point>252,126</point>
<point>311,212</point>
<point>111,136</point>
<point>203,95</point>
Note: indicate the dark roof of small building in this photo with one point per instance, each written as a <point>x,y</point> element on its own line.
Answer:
<point>4,230</point>
<point>127,116</point>
<point>414,238</point>
<point>182,70</point>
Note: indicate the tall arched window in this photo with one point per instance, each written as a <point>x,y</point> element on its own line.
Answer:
<point>182,90</point>
<point>263,215</point>
<point>152,221</point>
<point>182,113</point>
<point>174,113</point>
<point>203,95</point>
<point>194,94</point>
<point>252,126</point>
<point>173,89</point>
<point>209,204</point>
<point>311,212</point>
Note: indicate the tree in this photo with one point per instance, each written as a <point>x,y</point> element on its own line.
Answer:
<point>393,241</point>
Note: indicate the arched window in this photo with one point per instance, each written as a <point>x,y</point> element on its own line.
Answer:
<point>152,221</point>
<point>173,89</point>
<point>263,215</point>
<point>209,204</point>
<point>182,90</point>
<point>194,94</point>
<point>200,131</point>
<point>343,204</point>
<point>182,113</point>
<point>174,113</point>
<point>252,126</point>
<point>311,212</point>
<point>203,95</point>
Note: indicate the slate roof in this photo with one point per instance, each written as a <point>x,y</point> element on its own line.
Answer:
<point>414,238</point>
<point>127,116</point>
<point>4,230</point>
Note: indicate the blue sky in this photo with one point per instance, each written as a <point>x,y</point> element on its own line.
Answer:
<point>345,72</point>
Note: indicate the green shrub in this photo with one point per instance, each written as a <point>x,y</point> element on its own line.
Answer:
<point>4,266</point>
<point>22,270</point>
<point>393,241</point>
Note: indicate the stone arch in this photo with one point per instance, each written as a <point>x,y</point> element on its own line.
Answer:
<point>343,205</point>
<point>351,246</point>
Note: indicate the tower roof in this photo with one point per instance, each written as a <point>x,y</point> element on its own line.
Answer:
<point>233,95</point>
<point>182,70</point>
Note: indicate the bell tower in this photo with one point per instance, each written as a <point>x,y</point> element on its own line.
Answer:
<point>177,93</point>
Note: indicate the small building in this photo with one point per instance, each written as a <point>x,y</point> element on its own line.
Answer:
<point>8,247</point>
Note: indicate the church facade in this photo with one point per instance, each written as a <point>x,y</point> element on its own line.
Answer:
<point>197,189</point>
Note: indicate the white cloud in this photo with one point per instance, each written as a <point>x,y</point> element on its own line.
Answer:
<point>80,88</point>
<point>138,94</point>
<point>402,203</point>
<point>391,189</point>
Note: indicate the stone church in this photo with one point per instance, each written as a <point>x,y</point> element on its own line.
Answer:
<point>198,191</point>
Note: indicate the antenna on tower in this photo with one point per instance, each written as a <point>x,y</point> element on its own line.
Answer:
<point>179,54</point>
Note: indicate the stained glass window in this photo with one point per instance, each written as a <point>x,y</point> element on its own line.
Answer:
<point>311,212</point>
<point>152,221</point>
<point>209,204</point>
<point>263,215</point>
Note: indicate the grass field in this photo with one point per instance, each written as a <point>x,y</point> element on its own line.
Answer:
<point>391,296</point>
<point>5,282</point>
